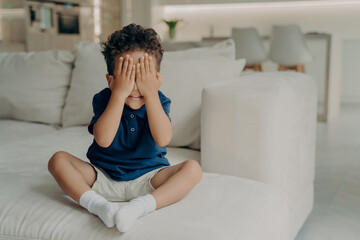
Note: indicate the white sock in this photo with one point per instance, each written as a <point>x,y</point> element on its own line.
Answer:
<point>99,206</point>
<point>137,207</point>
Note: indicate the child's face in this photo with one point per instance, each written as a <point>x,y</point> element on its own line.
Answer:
<point>135,103</point>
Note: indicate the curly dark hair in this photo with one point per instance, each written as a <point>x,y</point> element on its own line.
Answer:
<point>129,38</point>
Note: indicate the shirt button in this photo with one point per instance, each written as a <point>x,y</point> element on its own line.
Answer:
<point>132,129</point>
<point>132,115</point>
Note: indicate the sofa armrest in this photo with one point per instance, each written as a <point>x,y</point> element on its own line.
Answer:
<point>262,126</point>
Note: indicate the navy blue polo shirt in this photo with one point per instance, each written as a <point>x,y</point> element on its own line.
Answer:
<point>133,151</point>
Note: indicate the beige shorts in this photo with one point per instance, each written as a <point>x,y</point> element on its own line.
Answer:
<point>124,190</point>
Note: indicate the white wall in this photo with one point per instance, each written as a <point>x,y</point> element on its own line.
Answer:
<point>136,11</point>
<point>351,70</point>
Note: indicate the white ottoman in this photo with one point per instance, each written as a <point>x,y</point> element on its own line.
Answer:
<point>262,126</point>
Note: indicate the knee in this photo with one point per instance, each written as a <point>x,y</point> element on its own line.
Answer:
<point>56,161</point>
<point>194,169</point>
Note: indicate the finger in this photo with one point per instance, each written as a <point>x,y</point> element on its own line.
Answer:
<point>119,66</point>
<point>125,66</point>
<point>142,67</point>
<point>138,74</point>
<point>152,64</point>
<point>132,77</point>
<point>138,88</point>
<point>130,68</point>
<point>147,64</point>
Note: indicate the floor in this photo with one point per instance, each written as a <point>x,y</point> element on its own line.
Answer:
<point>336,213</point>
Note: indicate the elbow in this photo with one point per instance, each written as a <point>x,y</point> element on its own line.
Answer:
<point>102,141</point>
<point>164,142</point>
<point>162,145</point>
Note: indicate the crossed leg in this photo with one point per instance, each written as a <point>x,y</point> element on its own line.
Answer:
<point>73,175</point>
<point>76,177</point>
<point>171,184</point>
<point>174,183</point>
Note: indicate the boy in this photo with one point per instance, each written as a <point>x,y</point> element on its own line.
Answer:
<point>131,127</point>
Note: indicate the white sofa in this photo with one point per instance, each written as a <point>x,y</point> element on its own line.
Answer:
<point>256,133</point>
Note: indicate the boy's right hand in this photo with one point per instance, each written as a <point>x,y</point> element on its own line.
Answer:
<point>122,83</point>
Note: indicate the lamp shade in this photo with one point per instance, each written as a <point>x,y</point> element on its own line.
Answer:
<point>288,46</point>
<point>248,45</point>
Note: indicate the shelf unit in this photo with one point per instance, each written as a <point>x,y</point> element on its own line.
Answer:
<point>18,34</point>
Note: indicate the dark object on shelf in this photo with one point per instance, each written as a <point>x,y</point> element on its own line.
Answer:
<point>68,23</point>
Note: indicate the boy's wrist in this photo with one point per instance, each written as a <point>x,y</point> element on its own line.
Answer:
<point>151,96</point>
<point>118,96</point>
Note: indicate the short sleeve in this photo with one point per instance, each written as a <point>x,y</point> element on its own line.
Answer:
<point>99,103</point>
<point>165,102</point>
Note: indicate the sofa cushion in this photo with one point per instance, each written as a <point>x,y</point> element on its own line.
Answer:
<point>14,130</point>
<point>223,49</point>
<point>183,83</point>
<point>34,85</point>
<point>87,79</point>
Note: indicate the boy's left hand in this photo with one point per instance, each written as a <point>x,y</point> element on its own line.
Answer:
<point>148,80</point>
